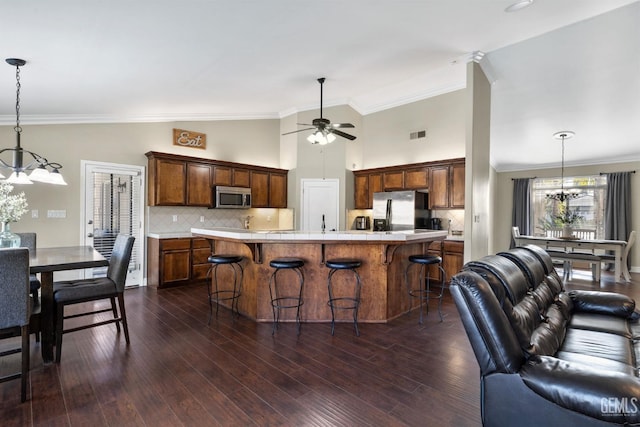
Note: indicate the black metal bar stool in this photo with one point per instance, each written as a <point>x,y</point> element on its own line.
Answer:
<point>288,299</point>
<point>216,294</point>
<point>344,302</point>
<point>424,291</point>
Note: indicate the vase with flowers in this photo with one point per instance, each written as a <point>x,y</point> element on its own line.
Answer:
<point>567,219</point>
<point>12,207</point>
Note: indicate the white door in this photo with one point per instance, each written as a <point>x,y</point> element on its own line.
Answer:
<point>320,203</point>
<point>113,204</point>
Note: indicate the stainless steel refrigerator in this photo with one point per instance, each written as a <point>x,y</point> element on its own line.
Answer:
<point>400,210</point>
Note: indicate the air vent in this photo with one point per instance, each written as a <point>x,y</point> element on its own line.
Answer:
<point>418,135</point>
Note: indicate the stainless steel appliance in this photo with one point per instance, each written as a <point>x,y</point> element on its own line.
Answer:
<point>435,223</point>
<point>400,210</point>
<point>231,197</point>
<point>362,223</point>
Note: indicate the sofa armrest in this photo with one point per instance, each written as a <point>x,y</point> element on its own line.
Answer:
<point>606,395</point>
<point>602,303</point>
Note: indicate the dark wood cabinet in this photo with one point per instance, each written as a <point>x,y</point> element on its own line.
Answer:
<point>364,186</point>
<point>232,177</point>
<point>416,179</point>
<point>446,186</point>
<point>241,177</point>
<point>259,189</point>
<point>452,257</point>
<point>444,179</point>
<point>268,189</point>
<point>393,180</point>
<point>452,253</point>
<point>176,180</point>
<point>277,190</point>
<point>439,187</point>
<point>457,186</point>
<point>199,184</point>
<point>222,175</point>
<point>167,179</point>
<point>177,262</point>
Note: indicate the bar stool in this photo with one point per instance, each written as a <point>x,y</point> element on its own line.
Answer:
<point>288,299</point>
<point>424,291</point>
<point>344,302</point>
<point>217,295</point>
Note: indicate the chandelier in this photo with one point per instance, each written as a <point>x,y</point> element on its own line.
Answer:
<point>561,195</point>
<point>23,160</point>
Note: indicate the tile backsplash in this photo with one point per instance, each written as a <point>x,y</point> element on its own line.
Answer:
<point>177,219</point>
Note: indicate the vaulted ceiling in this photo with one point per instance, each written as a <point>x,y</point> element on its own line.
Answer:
<point>555,65</point>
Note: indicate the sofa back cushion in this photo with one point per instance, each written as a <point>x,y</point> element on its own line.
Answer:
<point>490,332</point>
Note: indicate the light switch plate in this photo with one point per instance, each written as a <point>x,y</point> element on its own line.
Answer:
<point>51,213</point>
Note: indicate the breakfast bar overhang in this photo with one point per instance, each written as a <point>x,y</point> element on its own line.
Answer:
<point>384,257</point>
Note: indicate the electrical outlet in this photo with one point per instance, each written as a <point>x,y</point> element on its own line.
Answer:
<point>175,218</point>
<point>201,218</point>
<point>34,213</point>
<point>268,218</point>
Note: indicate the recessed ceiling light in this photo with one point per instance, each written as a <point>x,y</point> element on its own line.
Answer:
<point>519,5</point>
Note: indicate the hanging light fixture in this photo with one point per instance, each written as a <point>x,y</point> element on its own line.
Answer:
<point>41,169</point>
<point>561,195</point>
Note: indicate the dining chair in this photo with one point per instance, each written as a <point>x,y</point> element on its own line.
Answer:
<point>610,258</point>
<point>15,308</point>
<point>93,289</point>
<point>28,240</point>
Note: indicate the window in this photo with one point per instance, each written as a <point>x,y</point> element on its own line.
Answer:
<point>586,203</point>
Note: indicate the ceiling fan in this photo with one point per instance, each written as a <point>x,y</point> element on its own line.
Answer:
<point>325,131</point>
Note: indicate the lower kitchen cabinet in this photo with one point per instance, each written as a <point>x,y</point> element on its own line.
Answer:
<point>452,253</point>
<point>176,262</point>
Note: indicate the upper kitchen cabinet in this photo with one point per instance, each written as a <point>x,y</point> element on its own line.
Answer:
<point>446,186</point>
<point>230,176</point>
<point>364,186</point>
<point>176,180</point>
<point>167,182</point>
<point>199,184</point>
<point>416,178</point>
<point>268,189</point>
<point>393,180</point>
<point>444,179</point>
<point>457,186</point>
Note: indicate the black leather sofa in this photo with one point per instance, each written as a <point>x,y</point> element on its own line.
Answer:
<point>548,357</point>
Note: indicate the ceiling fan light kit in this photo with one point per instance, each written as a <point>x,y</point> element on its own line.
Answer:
<point>324,132</point>
<point>519,5</point>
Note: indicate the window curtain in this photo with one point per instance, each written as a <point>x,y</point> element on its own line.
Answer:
<point>617,211</point>
<point>521,216</point>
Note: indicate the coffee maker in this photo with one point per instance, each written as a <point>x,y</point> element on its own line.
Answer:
<point>362,222</point>
<point>435,223</point>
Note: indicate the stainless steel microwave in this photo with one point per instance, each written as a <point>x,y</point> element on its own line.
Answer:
<point>232,197</point>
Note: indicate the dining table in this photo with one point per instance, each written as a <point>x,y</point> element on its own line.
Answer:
<point>621,270</point>
<point>46,261</point>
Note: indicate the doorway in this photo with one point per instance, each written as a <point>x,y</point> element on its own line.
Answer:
<point>113,198</point>
<point>320,204</point>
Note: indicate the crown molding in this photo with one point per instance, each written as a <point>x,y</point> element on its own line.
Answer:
<point>108,118</point>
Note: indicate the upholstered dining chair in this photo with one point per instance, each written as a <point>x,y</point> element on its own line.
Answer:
<point>15,307</point>
<point>28,240</point>
<point>93,289</point>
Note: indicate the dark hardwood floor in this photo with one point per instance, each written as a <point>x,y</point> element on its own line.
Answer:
<point>179,371</point>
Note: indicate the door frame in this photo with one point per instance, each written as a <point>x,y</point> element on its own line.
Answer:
<point>115,167</point>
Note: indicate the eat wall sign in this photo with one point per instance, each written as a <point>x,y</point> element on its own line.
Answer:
<point>188,138</point>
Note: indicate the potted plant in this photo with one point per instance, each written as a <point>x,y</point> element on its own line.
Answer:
<point>12,207</point>
<point>567,219</point>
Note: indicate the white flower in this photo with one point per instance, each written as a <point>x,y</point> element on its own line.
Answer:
<point>12,206</point>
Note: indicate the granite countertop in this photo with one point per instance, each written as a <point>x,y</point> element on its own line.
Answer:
<point>290,235</point>
<point>169,235</point>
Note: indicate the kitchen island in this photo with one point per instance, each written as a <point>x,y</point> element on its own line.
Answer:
<point>384,257</point>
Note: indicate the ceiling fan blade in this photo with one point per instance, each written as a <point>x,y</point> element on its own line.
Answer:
<point>304,124</point>
<point>342,134</point>
<point>342,125</point>
<point>296,131</point>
